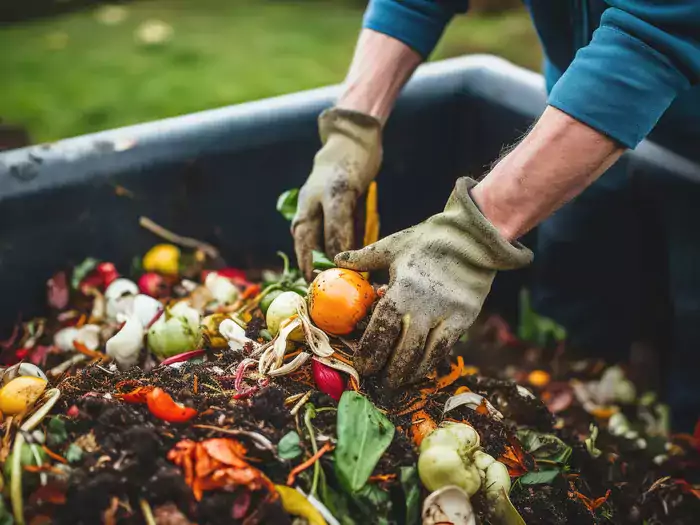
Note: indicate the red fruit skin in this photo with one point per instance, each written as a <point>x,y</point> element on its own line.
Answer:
<point>328,380</point>
<point>230,273</point>
<point>100,278</point>
<point>108,272</point>
<point>153,284</point>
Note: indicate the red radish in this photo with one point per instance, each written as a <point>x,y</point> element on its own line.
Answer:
<point>328,380</point>
<point>100,278</point>
<point>153,284</point>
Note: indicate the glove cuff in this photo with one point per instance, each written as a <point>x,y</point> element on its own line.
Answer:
<point>361,128</point>
<point>494,251</point>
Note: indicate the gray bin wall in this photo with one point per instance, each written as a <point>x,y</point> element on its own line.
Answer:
<point>216,175</point>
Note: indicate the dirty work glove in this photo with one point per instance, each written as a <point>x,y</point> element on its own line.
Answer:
<point>440,273</point>
<point>343,169</point>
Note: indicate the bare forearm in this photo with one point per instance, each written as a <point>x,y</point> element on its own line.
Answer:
<point>380,68</point>
<point>555,162</point>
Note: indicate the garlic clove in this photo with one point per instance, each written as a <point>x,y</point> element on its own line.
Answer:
<point>125,346</point>
<point>221,288</point>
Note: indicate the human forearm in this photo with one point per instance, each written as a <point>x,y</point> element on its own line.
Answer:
<point>380,68</point>
<point>555,162</point>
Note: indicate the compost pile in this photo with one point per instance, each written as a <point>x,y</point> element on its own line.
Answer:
<point>184,391</point>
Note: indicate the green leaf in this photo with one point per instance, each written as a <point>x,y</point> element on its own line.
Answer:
<point>541,477</point>
<point>374,503</point>
<point>535,328</point>
<point>56,431</point>
<point>288,447</point>
<point>81,271</point>
<point>5,514</point>
<point>594,451</point>
<point>287,203</point>
<point>74,453</point>
<point>335,502</point>
<point>320,261</point>
<point>364,433</point>
<point>544,446</point>
<point>411,490</point>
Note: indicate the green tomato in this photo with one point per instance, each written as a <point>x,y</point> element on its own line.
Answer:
<point>440,466</point>
<point>459,436</point>
<point>267,300</point>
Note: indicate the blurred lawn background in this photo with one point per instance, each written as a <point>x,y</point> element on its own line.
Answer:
<point>110,66</point>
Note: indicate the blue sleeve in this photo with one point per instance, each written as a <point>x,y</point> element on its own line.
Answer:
<point>641,57</point>
<point>417,23</point>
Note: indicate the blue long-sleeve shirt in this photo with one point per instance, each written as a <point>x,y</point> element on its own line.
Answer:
<point>624,67</point>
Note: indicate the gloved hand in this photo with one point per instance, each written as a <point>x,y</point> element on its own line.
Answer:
<point>440,273</point>
<point>343,169</point>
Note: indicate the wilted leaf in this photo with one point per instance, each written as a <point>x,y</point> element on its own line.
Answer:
<point>544,446</point>
<point>288,447</point>
<point>74,453</point>
<point>543,476</point>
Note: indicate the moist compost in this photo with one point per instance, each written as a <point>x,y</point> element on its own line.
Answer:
<point>109,457</point>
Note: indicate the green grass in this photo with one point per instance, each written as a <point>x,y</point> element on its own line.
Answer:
<point>72,74</point>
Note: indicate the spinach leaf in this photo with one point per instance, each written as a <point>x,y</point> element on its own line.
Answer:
<point>288,447</point>
<point>364,433</point>
<point>287,203</point>
<point>411,490</point>
<point>320,261</point>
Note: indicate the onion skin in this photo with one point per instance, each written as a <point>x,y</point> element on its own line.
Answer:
<point>328,380</point>
<point>339,299</point>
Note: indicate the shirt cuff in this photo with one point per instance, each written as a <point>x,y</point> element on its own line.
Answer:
<point>417,23</point>
<point>618,85</point>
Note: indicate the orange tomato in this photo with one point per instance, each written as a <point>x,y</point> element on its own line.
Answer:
<point>339,299</point>
<point>538,378</point>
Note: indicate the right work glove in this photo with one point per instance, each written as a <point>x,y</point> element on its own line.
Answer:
<point>343,170</point>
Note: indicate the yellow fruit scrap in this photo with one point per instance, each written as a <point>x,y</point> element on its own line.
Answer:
<point>162,258</point>
<point>20,394</point>
<point>295,503</point>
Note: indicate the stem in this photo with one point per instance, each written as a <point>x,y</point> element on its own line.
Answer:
<point>327,409</point>
<point>308,416</point>
<point>16,480</point>
<point>186,242</point>
<point>147,512</point>
<point>285,259</point>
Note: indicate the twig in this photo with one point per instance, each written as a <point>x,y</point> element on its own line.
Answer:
<point>59,369</point>
<point>147,512</point>
<point>301,403</point>
<point>306,464</point>
<point>259,440</point>
<point>187,242</point>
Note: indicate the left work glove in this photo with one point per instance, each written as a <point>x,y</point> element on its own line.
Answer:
<point>440,273</point>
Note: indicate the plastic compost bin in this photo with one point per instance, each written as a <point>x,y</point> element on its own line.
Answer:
<point>216,175</point>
